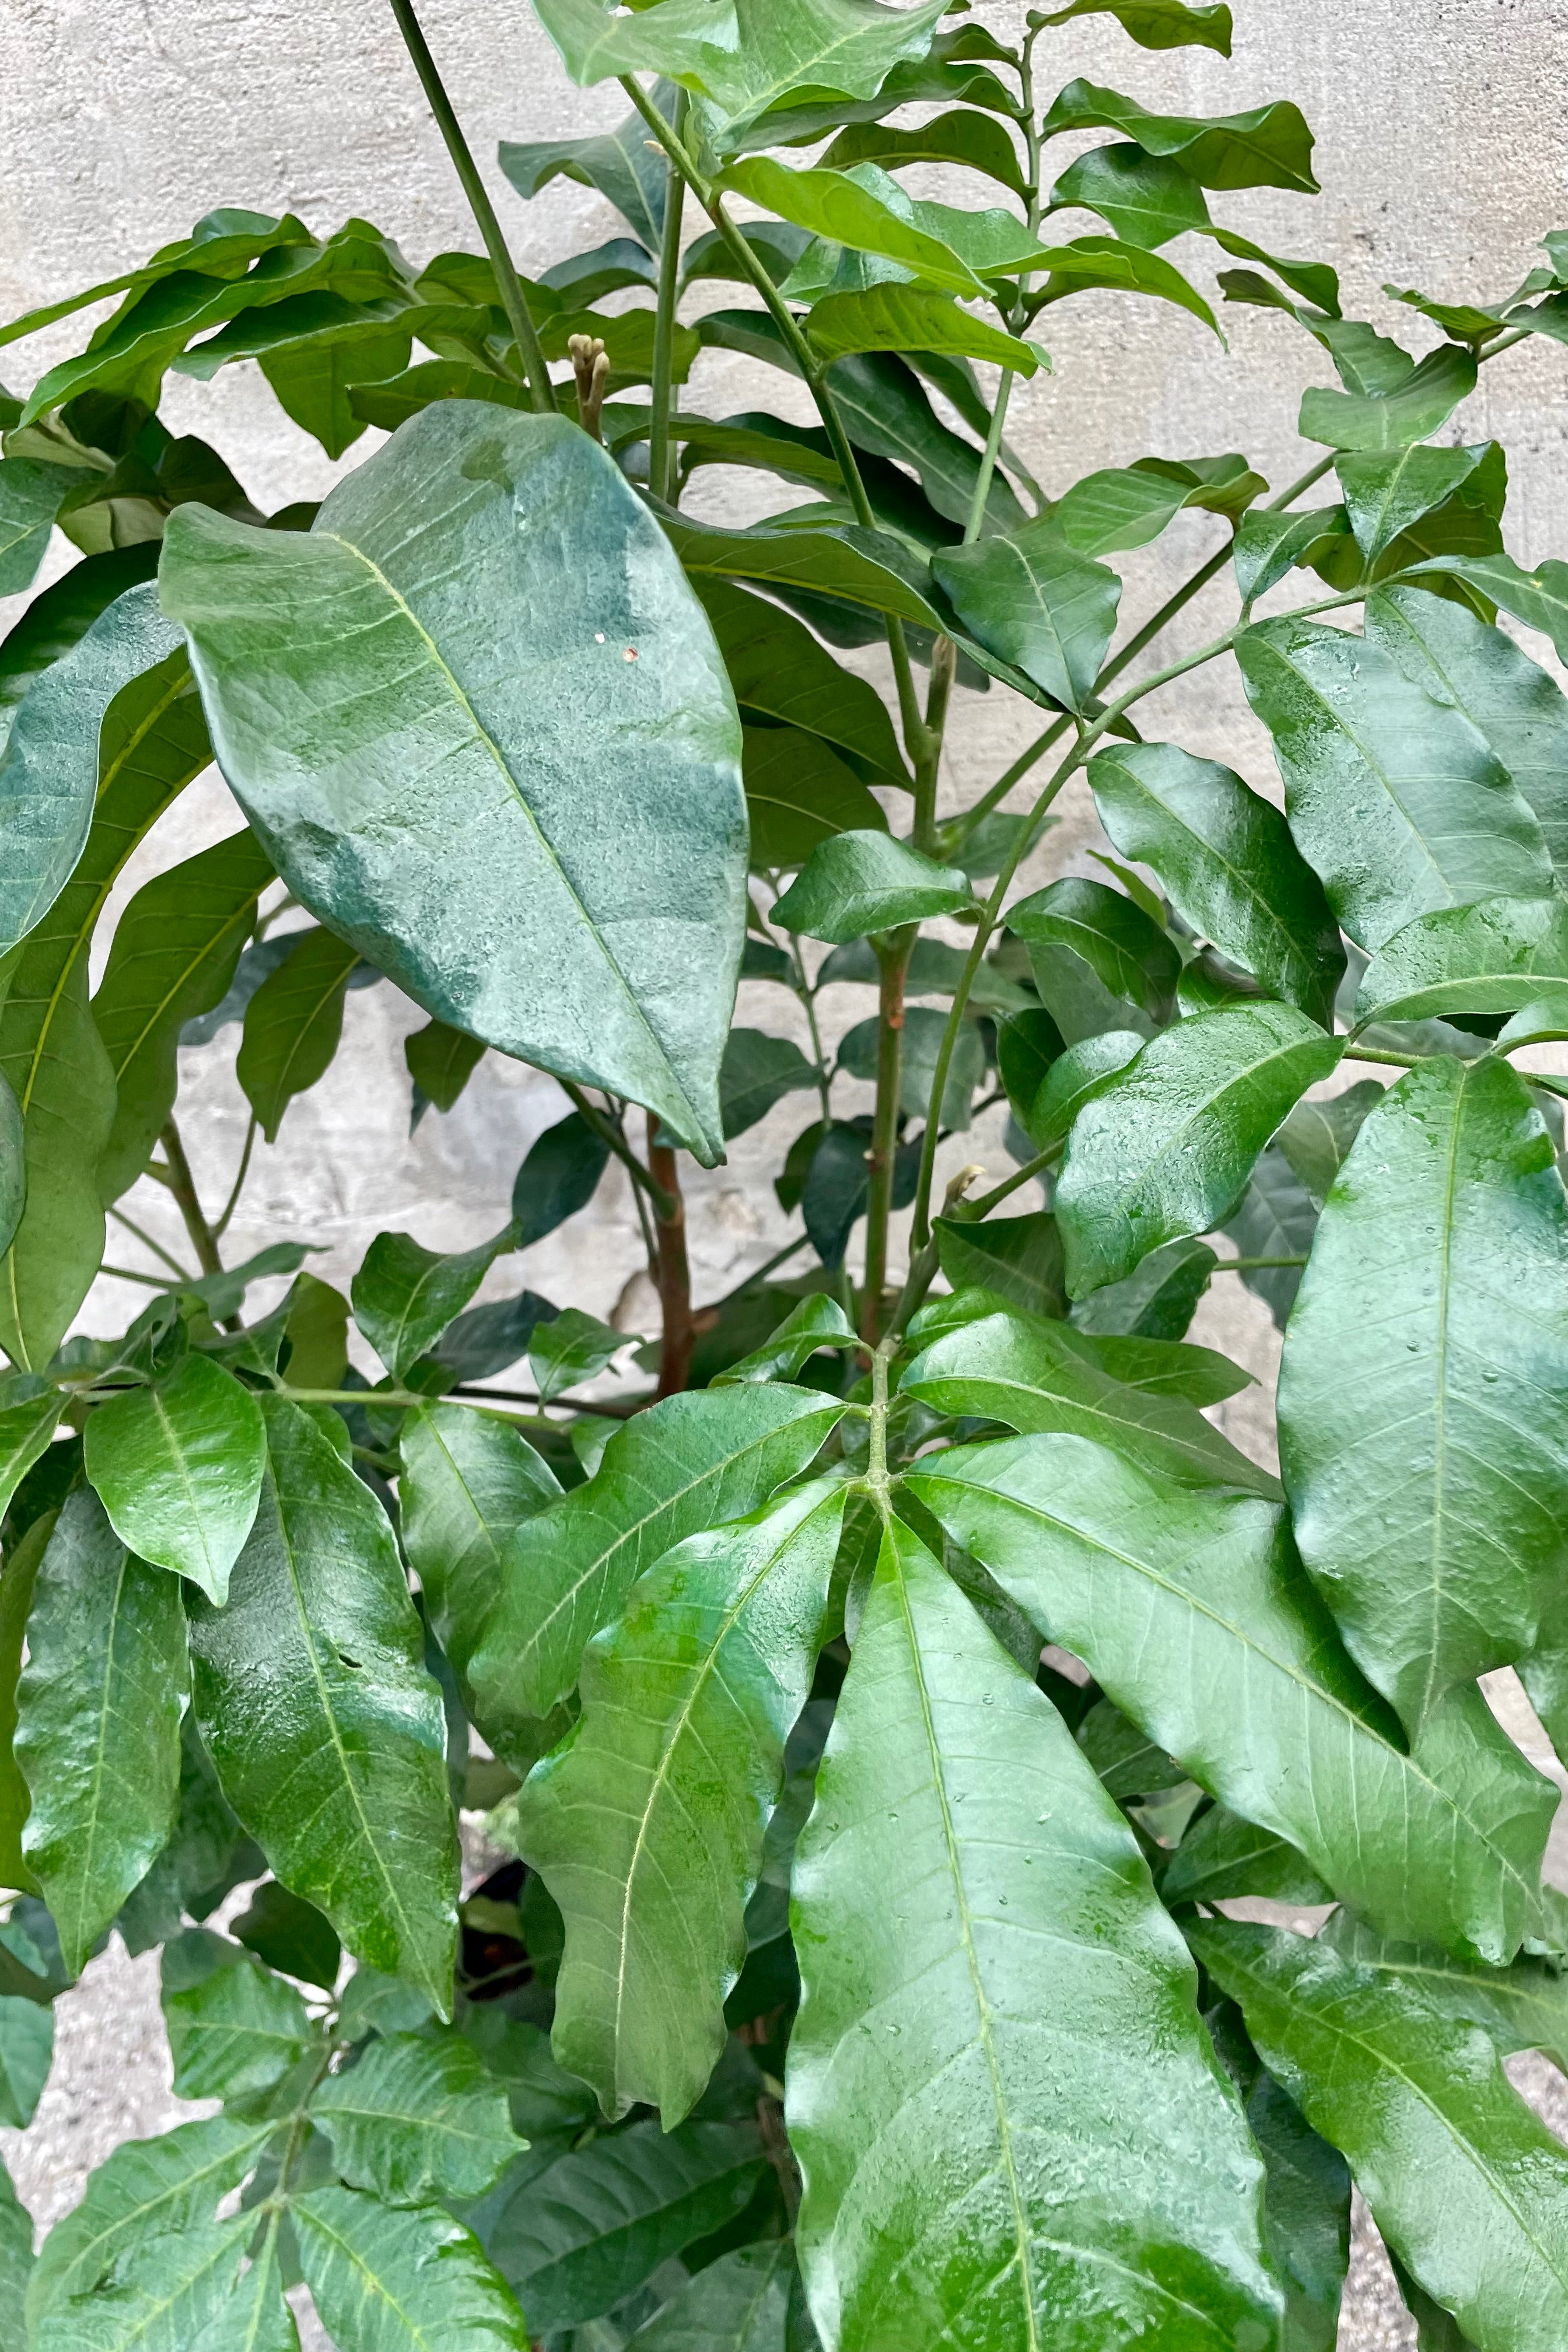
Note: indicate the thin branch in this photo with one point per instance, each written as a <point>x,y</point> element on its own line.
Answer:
<point>232,1203</point>
<point>147,1241</point>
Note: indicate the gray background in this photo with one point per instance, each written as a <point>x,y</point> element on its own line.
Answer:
<point>1442,147</point>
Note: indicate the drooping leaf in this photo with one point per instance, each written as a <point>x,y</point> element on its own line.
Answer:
<point>1156,1301</point>
<point>1417,1436</point>
<point>693,1462</point>
<point>404,1295</point>
<point>389,2281</point>
<point>1538,598</point>
<point>848,564</point>
<point>940,2199</point>
<point>417,2119</point>
<point>1157,24</point>
<point>1270,147</point>
<point>571,1347</point>
<point>290,1936</point>
<point>293,1022</point>
<point>779,671</point>
<point>1227,859</point>
<point>757,1072</point>
<point>1462,2179</point>
<point>172,959</point>
<point>1417,405</point>
<point>469,1482</point>
<point>327,1733</point>
<point>441,1060</point>
<point>559,1176</point>
<point>98,1731</point>
<point>619,163</point>
<point>741,2303</point>
<point>1035,603</point>
<point>1018,1259</point>
<point>817,1322</point>
<point>1147,199</point>
<point>592,953</point>
<point>234,2028</point>
<point>647,1826</point>
<point>1167,1148</point>
<point>1142,1580</point>
<point>855,883</point>
<point>1126,951</point>
<point>1394,798</point>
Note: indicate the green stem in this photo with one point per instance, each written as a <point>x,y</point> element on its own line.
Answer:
<point>509,286</point>
<point>659,444</point>
<point>609,1135</point>
<point>229,1206</point>
<point>1254,1265</point>
<point>129,1273</point>
<point>928,755</point>
<point>148,1243</point>
<point>1354,1053</point>
<point>183,1187</point>
<point>893,958</point>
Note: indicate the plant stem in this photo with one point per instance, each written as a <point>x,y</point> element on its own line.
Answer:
<point>608,1408</point>
<point>1354,1053</point>
<point>878,1484</point>
<point>183,1187</point>
<point>674,1272</point>
<point>129,1273</point>
<point>610,1135</point>
<point>1254,1265</point>
<point>928,755</point>
<point>893,958</point>
<point>229,1206</point>
<point>509,286</point>
<point>148,1243</point>
<point>658,444</point>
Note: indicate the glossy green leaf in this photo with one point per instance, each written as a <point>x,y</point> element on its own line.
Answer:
<point>404,1295</point>
<point>290,1936</point>
<point>1524,2007</point>
<point>1128,952</point>
<point>223,244</point>
<point>648,1825</point>
<point>59,616</point>
<point>1538,598</point>
<point>1386,492</point>
<point>1515,706</point>
<point>469,1482</point>
<point>1463,2181</point>
<point>1413,408</point>
<point>1084,1070</point>
<point>165,2295</point>
<point>1156,1301</point>
<point>327,1733</point>
<point>1157,24</point>
<point>1028,1046</point>
<point>865,209</point>
<point>739,2304</point>
<point>569,1349</point>
<point>1126,507</point>
<point>940,2199</point>
<point>909,319</point>
<point>30,1414</point>
<point>962,137</point>
<point>586,2235</point>
<point>98,1732</point>
<point>780,672</point>
<point>1306,2194</point>
<point>1226,860</point>
<point>1316,1139</point>
<point>17,2259</point>
<point>857,883</point>
<point>799,795</point>
<point>30,495</point>
<point>1394,798</point>
<point>1036,604</point>
<point>1141,1580</point>
<point>591,961</point>
<point>441,1060</point>
<point>1223,1858</point>
<point>1128,1764</point>
<point>817,1322</point>
<point>417,2119</point>
<point>178,1468</point>
<point>618,163</point>
<point>693,1462</point>
<point>293,1023</point>
<point>1147,199</point>
<point>1166,1149</point>
<point>234,2028</point>
<point>559,1176</point>
<point>1275,1217</point>
<point>1496,955</point>
<point>1270,147</point>
<point>1269,543</point>
<point>757,1072</point>
<point>1106,261</point>
<point>1417,1430</point>
<point>1039,1376</point>
<point>1018,1259</point>
<point>17,1576</point>
<point>172,959</point>
<point>848,564</point>
<point>387,2281</point>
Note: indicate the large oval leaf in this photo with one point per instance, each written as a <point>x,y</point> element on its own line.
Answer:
<point>499,754</point>
<point>178,1468</point>
<point>948,2117</point>
<point>469,1482</point>
<point>1425,1383</point>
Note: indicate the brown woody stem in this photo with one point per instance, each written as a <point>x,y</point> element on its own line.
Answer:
<point>673,1271</point>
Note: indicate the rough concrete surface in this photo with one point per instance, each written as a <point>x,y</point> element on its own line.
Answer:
<point>1443,148</point>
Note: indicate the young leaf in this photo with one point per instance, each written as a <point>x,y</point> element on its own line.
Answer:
<point>469,1482</point>
<point>694,1462</point>
<point>1419,1421</point>
<point>1270,147</point>
<point>1166,1149</point>
<point>861,882</point>
<point>739,2304</point>
<point>574,984</point>
<point>97,1733</point>
<point>292,1025</point>
<point>1462,2179</point>
<point>404,1295</point>
<point>398,2281</point>
<point>172,959</point>
<point>1018,1259</point>
<point>1142,1580</point>
<point>817,1322</point>
<point>311,1694</point>
<point>1393,797</point>
<point>417,2119</point>
<point>234,2028</point>
<point>1226,860</point>
<point>1412,409</point>
<point>178,1468</point>
<point>559,1176</point>
<point>1031,600</point>
<point>1125,950</point>
<point>647,1827</point>
<point>934,2197</point>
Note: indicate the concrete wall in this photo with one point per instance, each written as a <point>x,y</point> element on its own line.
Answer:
<point>1443,146</point>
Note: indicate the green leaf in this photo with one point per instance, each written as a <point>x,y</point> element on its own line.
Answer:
<point>292,1025</point>
<point>315,377</point>
<point>1127,1763</point>
<point>855,883</point>
<point>962,137</point>
<point>1036,604</point>
<point>172,959</point>
<point>1538,598</point>
<point>404,1295</point>
<point>417,2119</point>
<point>1167,1150</point>
<point>468,1481</point>
<point>1156,1301</point>
<point>1524,2007</point>
<point>1514,704</point>
<point>1462,2182</point>
<point>1226,860</point>
<point>1305,2195</point>
<point>1270,147</point>
<point>1223,1858</point>
<point>290,1936</point>
<point>559,1176</point>
<point>1028,1046</point>
<point>234,2028</point>
<point>26,2051</point>
<point>924,1029</point>
<point>585,2235</point>
<point>1317,1137</point>
<point>1157,24</point>
<point>591,957</point>
<point>16,2260</point>
<point>1084,1070</point>
<point>388,2280</point>
<point>739,2304</point>
<point>1046,1376</point>
<point>1496,955</point>
<point>757,1072</point>
<point>1147,199</point>
<point>1127,951</point>
<point>59,616</point>
<point>222,245</point>
<point>1106,261</point>
<point>934,2200</point>
<point>1018,1259</point>
<point>30,495</point>
<point>17,1576</point>
<point>1129,506</point>
<point>799,795</point>
<point>571,1347</point>
<point>178,1468</point>
<point>441,1060</point>
<point>1268,544</point>
<point>648,1825</point>
<point>97,1733</point>
<point>891,317</point>
<point>1414,409</point>
<point>165,2296</point>
<point>30,1414</point>
<point>780,672</point>
<point>1386,492</point>
<point>619,163</point>
<point>1417,1420</point>
<point>865,209</point>
<point>1142,1581</point>
<point>693,1462</point>
<point>1276,1217</point>
<point>310,1692</point>
<point>848,564</point>
<point>818,1321</point>
<point>1394,798</point>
